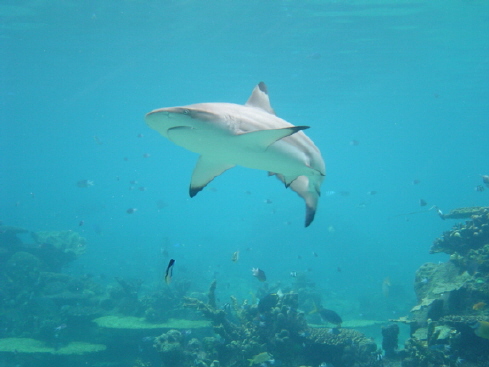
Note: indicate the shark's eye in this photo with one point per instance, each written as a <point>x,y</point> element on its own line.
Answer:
<point>186,111</point>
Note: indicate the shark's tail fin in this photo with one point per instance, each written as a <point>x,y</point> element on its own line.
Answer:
<point>310,194</point>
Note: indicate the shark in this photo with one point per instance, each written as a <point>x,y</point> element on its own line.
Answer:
<point>250,135</point>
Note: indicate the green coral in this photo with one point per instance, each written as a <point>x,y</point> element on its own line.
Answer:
<point>27,345</point>
<point>467,212</point>
<point>131,322</point>
<point>473,234</point>
<point>69,242</point>
<point>23,268</point>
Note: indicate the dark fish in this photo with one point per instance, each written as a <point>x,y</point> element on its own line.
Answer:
<point>267,302</point>
<point>84,183</point>
<point>422,202</point>
<point>131,210</point>
<point>314,56</point>
<point>259,274</point>
<point>330,316</point>
<point>81,223</point>
<point>415,182</point>
<point>479,188</point>
<point>472,267</point>
<point>169,271</point>
<point>485,180</point>
<point>161,204</point>
<point>354,143</point>
<point>371,192</point>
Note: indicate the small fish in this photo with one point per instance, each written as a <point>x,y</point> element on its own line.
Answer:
<point>260,358</point>
<point>259,274</point>
<point>315,254</point>
<point>481,329</point>
<point>84,183</point>
<point>386,286</point>
<point>479,188</point>
<point>169,271</point>
<point>416,181</point>
<point>371,192</point>
<point>472,267</point>
<point>266,303</point>
<point>293,274</point>
<point>82,222</point>
<point>314,56</point>
<point>422,202</point>
<point>485,180</point>
<point>60,327</point>
<point>131,210</point>
<point>146,155</point>
<point>235,256</point>
<point>479,306</point>
<point>439,212</point>
<point>328,315</point>
<point>354,143</point>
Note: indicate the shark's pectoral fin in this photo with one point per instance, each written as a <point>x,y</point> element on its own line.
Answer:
<point>204,172</point>
<point>260,140</point>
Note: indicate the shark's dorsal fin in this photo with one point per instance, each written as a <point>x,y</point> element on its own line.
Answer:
<point>259,98</point>
<point>204,172</point>
<point>260,140</point>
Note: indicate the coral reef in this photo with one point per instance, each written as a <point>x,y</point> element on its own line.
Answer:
<point>471,235</point>
<point>450,324</point>
<point>467,212</point>
<point>274,327</point>
<point>58,248</point>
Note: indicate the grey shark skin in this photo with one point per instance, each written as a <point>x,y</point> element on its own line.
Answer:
<point>249,135</point>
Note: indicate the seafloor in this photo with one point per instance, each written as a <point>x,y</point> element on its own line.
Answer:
<point>50,318</point>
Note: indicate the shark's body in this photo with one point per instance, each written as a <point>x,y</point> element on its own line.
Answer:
<point>250,135</point>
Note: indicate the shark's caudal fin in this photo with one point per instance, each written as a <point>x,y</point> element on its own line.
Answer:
<point>259,98</point>
<point>302,187</point>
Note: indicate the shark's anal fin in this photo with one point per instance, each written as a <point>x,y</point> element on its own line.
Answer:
<point>260,140</point>
<point>204,172</point>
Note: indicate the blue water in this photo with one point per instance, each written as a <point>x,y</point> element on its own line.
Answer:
<point>407,80</point>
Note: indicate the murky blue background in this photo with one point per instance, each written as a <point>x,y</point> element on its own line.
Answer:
<point>408,80</point>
